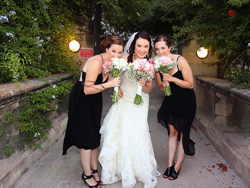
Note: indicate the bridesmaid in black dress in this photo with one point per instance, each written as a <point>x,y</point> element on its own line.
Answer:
<point>178,110</point>
<point>85,108</point>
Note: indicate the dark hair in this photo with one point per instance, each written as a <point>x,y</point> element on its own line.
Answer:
<point>106,43</point>
<point>143,35</point>
<point>165,39</point>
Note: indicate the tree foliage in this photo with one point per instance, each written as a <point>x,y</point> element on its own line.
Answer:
<point>36,33</point>
<point>35,36</point>
<point>223,26</point>
<point>128,16</point>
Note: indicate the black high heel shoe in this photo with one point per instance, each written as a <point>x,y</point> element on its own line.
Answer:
<point>85,177</point>
<point>96,171</point>
<point>174,174</point>
<point>168,172</point>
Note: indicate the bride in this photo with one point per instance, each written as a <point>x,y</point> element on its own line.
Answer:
<point>127,153</point>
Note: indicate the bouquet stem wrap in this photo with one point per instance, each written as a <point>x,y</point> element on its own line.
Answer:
<point>138,98</point>
<point>167,91</point>
<point>115,96</point>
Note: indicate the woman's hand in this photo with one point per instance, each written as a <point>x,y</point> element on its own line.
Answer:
<point>165,83</point>
<point>114,82</point>
<point>167,77</point>
<point>146,85</point>
<point>143,81</point>
<point>186,72</point>
<point>110,77</point>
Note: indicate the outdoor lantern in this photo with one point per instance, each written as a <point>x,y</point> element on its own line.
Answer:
<point>202,52</point>
<point>74,46</point>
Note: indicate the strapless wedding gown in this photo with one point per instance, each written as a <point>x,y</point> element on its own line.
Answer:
<point>127,153</point>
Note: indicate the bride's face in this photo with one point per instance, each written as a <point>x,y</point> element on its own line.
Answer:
<point>161,48</point>
<point>115,50</point>
<point>141,47</point>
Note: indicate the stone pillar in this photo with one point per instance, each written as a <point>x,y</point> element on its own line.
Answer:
<point>223,109</point>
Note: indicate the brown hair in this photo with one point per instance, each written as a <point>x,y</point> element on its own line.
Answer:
<point>106,43</point>
<point>131,50</point>
<point>163,38</point>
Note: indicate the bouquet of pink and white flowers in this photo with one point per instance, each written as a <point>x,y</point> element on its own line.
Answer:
<point>115,66</point>
<point>164,64</point>
<point>139,69</point>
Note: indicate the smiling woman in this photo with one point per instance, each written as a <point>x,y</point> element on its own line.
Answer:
<point>178,109</point>
<point>85,109</point>
<point>127,153</point>
<point>140,47</point>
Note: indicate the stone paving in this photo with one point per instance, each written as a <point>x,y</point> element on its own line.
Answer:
<point>206,169</point>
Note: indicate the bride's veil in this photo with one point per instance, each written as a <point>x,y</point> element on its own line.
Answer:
<point>125,52</point>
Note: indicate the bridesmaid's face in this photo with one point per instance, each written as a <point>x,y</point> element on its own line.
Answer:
<point>141,47</point>
<point>115,50</point>
<point>161,49</point>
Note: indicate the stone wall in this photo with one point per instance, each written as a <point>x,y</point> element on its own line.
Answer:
<point>199,66</point>
<point>12,97</point>
<point>84,36</point>
<point>223,115</point>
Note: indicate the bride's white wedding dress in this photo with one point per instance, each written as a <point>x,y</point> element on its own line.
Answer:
<point>127,153</point>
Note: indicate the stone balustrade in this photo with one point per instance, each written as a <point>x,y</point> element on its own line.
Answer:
<point>223,114</point>
<point>12,98</point>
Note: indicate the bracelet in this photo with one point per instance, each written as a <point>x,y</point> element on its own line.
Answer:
<point>103,87</point>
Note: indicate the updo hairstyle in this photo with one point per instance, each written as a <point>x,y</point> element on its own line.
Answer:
<point>106,43</point>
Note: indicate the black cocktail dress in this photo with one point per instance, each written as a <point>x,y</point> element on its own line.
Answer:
<point>84,117</point>
<point>178,110</point>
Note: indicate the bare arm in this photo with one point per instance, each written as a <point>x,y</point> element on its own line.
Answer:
<point>120,92</point>
<point>93,69</point>
<point>159,81</point>
<point>146,85</point>
<point>187,74</point>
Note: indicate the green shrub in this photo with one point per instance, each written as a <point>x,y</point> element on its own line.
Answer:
<point>34,39</point>
<point>34,119</point>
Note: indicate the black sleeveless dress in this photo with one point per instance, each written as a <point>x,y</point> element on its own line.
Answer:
<point>178,110</point>
<point>84,117</point>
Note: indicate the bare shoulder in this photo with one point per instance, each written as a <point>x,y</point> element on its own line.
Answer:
<point>183,63</point>
<point>182,59</point>
<point>93,62</point>
<point>177,56</point>
<point>95,59</point>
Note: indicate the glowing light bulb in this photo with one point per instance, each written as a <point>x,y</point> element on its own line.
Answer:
<point>74,46</point>
<point>202,52</point>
